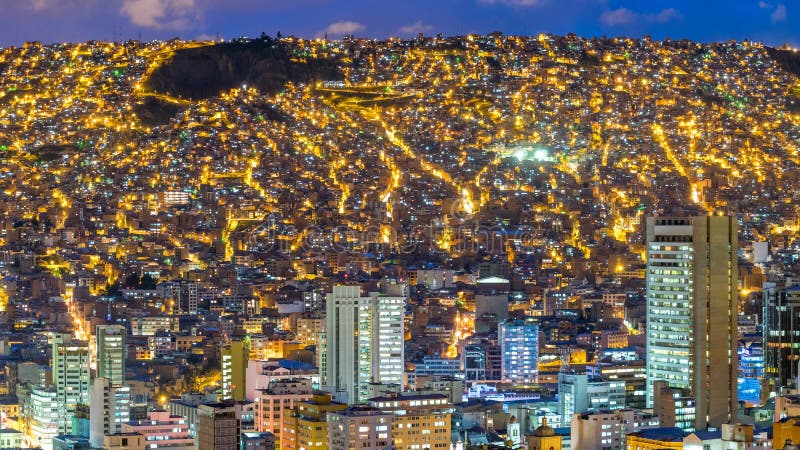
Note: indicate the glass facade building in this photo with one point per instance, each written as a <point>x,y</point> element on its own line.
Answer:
<point>781,334</point>
<point>519,349</point>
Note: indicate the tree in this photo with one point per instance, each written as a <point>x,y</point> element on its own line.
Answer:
<point>147,282</point>
<point>131,281</point>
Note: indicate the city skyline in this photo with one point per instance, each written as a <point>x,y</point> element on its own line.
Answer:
<point>52,21</point>
<point>494,233</point>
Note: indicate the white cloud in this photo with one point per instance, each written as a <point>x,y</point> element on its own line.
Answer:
<point>41,5</point>
<point>205,37</point>
<point>414,28</point>
<point>513,3</point>
<point>54,5</point>
<point>664,16</point>
<point>339,29</point>
<point>161,14</point>
<point>779,15</point>
<point>624,16</point>
<point>621,16</point>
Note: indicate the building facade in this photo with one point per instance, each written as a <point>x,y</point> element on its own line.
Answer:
<point>692,310</point>
<point>307,426</point>
<point>278,401</point>
<point>781,334</point>
<point>219,426</point>
<point>364,342</point>
<point>162,430</point>
<point>45,417</point>
<point>235,357</point>
<point>258,441</point>
<point>606,430</point>
<point>109,409</point>
<point>70,363</point>
<point>111,353</point>
<point>474,362</point>
<point>420,422</point>
<point>359,427</point>
<point>519,349</point>
<point>124,441</point>
<point>578,394</point>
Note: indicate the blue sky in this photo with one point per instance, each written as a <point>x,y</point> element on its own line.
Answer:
<point>772,21</point>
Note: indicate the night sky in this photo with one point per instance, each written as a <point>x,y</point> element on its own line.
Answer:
<point>772,21</point>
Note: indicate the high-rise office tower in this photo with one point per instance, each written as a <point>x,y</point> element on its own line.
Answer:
<point>70,363</point>
<point>781,334</point>
<point>109,408</point>
<point>235,356</point>
<point>111,353</point>
<point>519,349</point>
<point>692,308</point>
<point>364,342</point>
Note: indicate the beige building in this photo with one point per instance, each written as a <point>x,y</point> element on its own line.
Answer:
<point>309,328</point>
<point>277,401</point>
<point>544,438</point>
<point>219,426</point>
<point>162,430</point>
<point>419,422</point>
<point>606,430</point>
<point>692,308</point>
<point>235,357</point>
<point>359,427</point>
<point>10,438</point>
<point>656,439</point>
<point>123,441</point>
<point>307,426</point>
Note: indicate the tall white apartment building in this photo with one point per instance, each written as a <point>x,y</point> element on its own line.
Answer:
<point>363,342</point>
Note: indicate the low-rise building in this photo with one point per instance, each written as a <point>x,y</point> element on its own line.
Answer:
<point>307,426</point>
<point>359,427</point>
<point>277,401</point>
<point>419,422</point>
<point>162,430</point>
<point>124,441</point>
